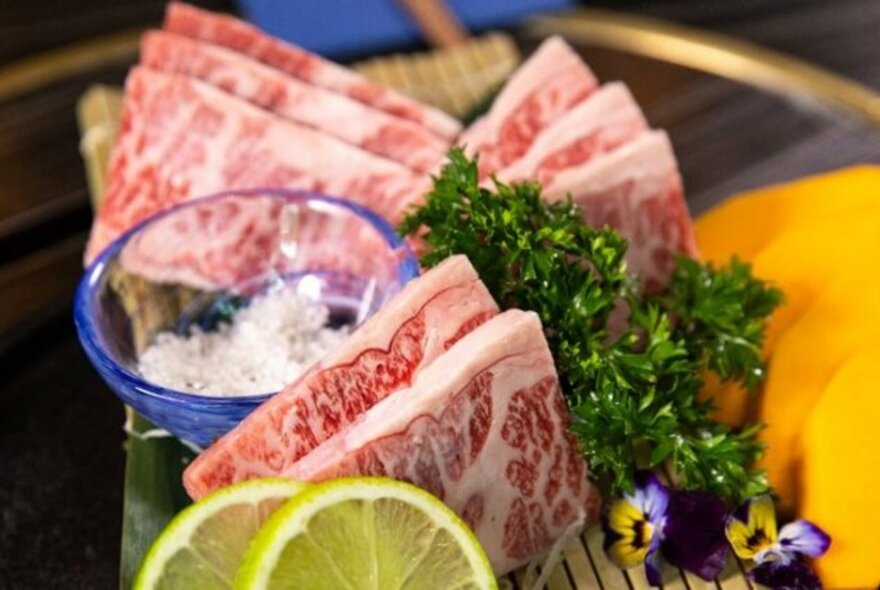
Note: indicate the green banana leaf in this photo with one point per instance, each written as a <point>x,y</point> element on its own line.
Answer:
<point>153,492</point>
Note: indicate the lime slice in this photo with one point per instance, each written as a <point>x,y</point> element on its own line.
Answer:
<point>365,533</point>
<point>202,547</point>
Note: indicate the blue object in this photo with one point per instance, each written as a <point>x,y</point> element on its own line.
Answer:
<point>105,331</point>
<point>346,28</point>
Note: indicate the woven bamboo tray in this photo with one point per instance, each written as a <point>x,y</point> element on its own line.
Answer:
<point>454,80</point>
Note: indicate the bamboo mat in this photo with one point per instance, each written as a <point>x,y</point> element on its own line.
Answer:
<point>454,80</point>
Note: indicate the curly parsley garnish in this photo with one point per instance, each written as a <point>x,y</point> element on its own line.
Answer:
<point>632,389</point>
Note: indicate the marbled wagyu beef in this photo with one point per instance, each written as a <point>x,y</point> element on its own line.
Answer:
<point>384,355</point>
<point>338,115</point>
<point>246,39</point>
<point>552,123</point>
<point>637,190</point>
<point>602,122</point>
<point>549,84</point>
<point>228,242</point>
<point>484,428</point>
<point>180,138</point>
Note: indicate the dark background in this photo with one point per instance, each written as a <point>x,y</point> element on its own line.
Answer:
<point>61,439</point>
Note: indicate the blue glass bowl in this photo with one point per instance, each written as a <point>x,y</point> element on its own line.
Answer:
<point>329,249</point>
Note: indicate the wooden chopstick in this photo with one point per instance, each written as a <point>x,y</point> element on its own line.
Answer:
<point>436,21</point>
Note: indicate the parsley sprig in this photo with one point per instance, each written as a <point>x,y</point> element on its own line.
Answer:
<point>631,384</point>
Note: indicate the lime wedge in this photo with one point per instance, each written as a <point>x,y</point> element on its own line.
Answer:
<point>365,533</point>
<point>202,547</point>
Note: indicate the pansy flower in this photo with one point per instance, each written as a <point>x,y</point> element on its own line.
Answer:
<point>687,528</point>
<point>634,525</point>
<point>777,555</point>
<point>694,534</point>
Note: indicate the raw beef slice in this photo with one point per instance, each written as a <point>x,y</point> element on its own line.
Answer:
<point>349,120</point>
<point>382,356</point>
<point>226,242</point>
<point>297,62</point>
<point>551,82</point>
<point>181,138</point>
<point>485,429</point>
<point>637,190</point>
<point>603,121</point>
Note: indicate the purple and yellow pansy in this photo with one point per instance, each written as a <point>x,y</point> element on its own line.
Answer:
<point>777,555</point>
<point>634,526</point>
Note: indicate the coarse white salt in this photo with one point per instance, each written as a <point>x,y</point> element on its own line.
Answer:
<point>265,347</point>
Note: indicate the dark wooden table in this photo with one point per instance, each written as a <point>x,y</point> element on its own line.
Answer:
<point>61,439</point>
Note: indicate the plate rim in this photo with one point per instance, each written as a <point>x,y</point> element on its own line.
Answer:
<point>708,52</point>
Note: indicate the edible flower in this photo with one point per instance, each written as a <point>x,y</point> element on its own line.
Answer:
<point>686,527</point>
<point>778,555</point>
<point>694,535</point>
<point>634,526</point>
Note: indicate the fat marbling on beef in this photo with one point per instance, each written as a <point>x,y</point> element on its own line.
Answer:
<point>384,355</point>
<point>181,138</point>
<point>245,38</point>
<point>551,82</point>
<point>605,120</point>
<point>485,429</point>
<point>347,119</point>
<point>637,190</point>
